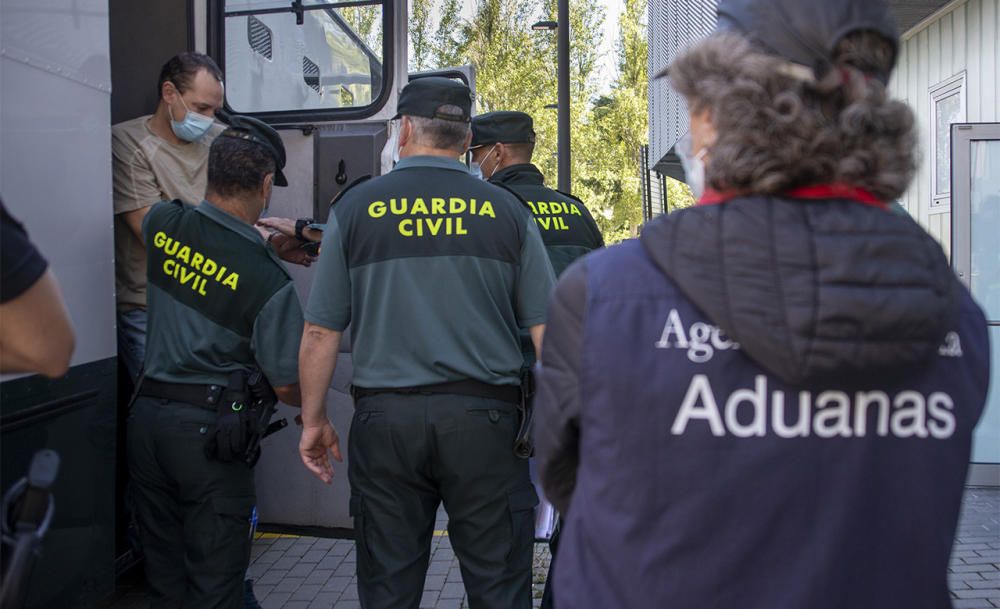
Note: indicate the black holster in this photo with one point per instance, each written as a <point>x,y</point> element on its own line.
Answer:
<point>234,425</point>
<point>524,446</point>
<point>263,404</point>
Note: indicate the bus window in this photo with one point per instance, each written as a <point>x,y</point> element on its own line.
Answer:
<point>326,57</point>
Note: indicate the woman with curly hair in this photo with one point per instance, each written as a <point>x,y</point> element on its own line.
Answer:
<point>767,401</point>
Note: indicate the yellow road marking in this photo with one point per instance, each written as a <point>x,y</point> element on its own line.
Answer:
<point>437,533</point>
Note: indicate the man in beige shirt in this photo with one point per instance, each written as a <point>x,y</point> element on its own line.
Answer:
<point>158,157</point>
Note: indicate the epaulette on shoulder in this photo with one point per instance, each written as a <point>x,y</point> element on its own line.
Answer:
<point>569,196</point>
<point>513,192</point>
<point>344,190</point>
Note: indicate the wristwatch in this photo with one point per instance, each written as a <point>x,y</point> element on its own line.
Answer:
<point>300,224</point>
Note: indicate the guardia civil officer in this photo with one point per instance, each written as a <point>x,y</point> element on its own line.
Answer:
<point>436,271</point>
<point>222,307</point>
<point>768,399</point>
<point>502,145</point>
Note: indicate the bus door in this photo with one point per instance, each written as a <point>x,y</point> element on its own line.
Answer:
<point>55,178</point>
<point>326,75</point>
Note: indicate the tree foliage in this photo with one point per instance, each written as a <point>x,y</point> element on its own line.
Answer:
<point>516,70</point>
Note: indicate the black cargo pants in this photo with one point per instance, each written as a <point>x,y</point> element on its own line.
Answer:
<point>410,452</point>
<point>193,512</point>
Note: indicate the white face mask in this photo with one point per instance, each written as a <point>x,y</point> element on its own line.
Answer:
<point>477,170</point>
<point>694,165</point>
<point>390,152</point>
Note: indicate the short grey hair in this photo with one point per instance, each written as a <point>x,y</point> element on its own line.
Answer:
<point>776,132</point>
<point>442,133</point>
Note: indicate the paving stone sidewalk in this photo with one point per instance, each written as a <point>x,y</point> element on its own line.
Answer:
<point>974,573</point>
<point>311,573</point>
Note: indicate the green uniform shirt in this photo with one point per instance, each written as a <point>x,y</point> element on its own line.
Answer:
<point>219,299</point>
<point>568,229</point>
<point>436,271</point>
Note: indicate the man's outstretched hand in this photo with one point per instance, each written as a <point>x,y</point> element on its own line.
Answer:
<point>290,249</point>
<point>286,226</point>
<point>315,447</point>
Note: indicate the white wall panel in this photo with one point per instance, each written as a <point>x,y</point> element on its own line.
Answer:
<point>964,39</point>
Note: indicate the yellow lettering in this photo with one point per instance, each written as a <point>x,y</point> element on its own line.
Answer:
<point>459,229</point>
<point>201,290</point>
<point>434,225</point>
<point>186,275</point>
<point>437,205</point>
<point>400,209</point>
<point>534,209</point>
<point>419,207</point>
<point>376,209</point>
<point>197,260</point>
<point>543,207</point>
<point>232,281</point>
<point>574,210</point>
<point>222,272</point>
<point>185,254</point>
<point>159,239</point>
<point>210,267</point>
<point>420,227</point>
<point>168,267</point>
<point>171,247</point>
<point>487,210</point>
<point>562,223</point>
<point>406,232</point>
<point>545,223</point>
<point>457,206</point>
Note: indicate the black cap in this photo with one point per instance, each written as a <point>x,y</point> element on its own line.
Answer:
<point>253,130</point>
<point>504,126</point>
<point>424,97</point>
<point>806,31</point>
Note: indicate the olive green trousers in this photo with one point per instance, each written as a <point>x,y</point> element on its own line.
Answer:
<point>410,452</point>
<point>193,512</point>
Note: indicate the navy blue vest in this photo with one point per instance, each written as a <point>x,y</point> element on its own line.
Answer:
<point>704,482</point>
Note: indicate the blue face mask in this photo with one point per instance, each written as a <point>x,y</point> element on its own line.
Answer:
<point>193,127</point>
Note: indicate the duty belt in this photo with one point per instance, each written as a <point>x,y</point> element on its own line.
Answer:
<point>469,387</point>
<point>204,396</point>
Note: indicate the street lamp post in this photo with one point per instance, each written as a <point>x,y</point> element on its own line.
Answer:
<point>564,140</point>
<point>562,55</point>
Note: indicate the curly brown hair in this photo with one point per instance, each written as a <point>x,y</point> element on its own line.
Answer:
<point>777,131</point>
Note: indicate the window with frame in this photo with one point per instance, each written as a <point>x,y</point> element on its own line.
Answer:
<point>947,108</point>
<point>289,57</point>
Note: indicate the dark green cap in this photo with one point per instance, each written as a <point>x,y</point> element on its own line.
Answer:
<point>503,127</point>
<point>253,130</point>
<point>424,97</point>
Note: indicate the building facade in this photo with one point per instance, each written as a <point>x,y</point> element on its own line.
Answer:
<point>947,70</point>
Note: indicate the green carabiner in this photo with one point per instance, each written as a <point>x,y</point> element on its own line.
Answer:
<point>237,406</point>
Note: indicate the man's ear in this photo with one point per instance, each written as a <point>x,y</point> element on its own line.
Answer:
<point>405,131</point>
<point>268,186</point>
<point>169,92</point>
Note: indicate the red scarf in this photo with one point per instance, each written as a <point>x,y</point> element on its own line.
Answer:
<point>812,193</point>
